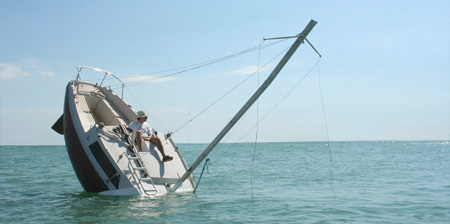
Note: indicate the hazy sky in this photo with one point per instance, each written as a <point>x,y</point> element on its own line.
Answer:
<point>384,72</point>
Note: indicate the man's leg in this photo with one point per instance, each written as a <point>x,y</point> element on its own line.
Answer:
<point>158,144</point>
<point>139,140</point>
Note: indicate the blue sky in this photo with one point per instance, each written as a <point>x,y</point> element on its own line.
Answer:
<point>384,72</point>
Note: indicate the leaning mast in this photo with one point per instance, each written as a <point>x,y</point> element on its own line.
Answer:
<point>300,39</point>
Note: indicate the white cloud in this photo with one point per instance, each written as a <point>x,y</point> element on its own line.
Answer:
<point>10,71</point>
<point>23,69</point>
<point>147,78</point>
<point>249,70</point>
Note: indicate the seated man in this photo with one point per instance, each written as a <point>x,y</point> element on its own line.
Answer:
<point>145,133</point>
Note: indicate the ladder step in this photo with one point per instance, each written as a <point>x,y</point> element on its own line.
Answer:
<point>131,157</point>
<point>139,168</point>
<point>145,179</point>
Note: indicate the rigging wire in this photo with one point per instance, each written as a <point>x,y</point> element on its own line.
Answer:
<point>275,106</point>
<point>256,132</point>
<point>187,67</point>
<point>223,96</point>
<point>149,114</point>
<point>326,127</point>
<point>195,66</point>
<point>190,68</point>
<point>269,112</point>
<point>205,165</point>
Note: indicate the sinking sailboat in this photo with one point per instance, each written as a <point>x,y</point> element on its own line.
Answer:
<point>102,149</point>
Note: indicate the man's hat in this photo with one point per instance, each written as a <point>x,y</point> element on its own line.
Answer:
<point>141,114</point>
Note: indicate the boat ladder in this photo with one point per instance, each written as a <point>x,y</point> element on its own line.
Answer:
<point>140,172</point>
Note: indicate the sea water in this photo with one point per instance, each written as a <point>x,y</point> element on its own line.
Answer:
<point>318,182</point>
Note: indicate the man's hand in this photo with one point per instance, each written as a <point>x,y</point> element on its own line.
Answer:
<point>149,138</point>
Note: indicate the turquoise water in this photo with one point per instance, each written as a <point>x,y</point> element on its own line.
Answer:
<point>370,182</point>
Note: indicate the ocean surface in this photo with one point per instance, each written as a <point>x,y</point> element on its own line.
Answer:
<point>343,182</point>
